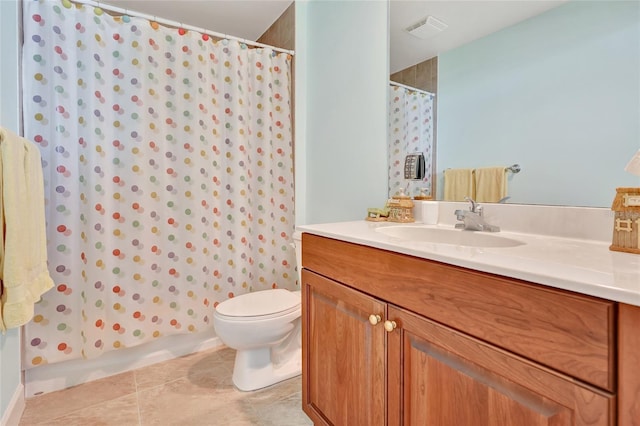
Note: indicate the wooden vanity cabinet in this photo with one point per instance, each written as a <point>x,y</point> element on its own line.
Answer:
<point>447,378</point>
<point>384,343</point>
<point>345,360</point>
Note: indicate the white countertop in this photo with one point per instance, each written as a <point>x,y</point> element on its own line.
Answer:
<point>582,266</point>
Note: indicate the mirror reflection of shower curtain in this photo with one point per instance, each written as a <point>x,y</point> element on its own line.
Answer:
<point>168,174</point>
<point>410,131</point>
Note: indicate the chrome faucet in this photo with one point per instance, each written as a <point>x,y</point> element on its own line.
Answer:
<point>473,219</point>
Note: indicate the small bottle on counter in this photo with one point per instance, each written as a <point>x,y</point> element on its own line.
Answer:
<point>423,195</point>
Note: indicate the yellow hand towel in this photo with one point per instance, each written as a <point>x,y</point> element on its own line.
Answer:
<point>458,183</point>
<point>491,184</point>
<point>23,266</point>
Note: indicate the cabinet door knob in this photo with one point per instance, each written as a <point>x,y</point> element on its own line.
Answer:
<point>374,319</point>
<point>390,325</point>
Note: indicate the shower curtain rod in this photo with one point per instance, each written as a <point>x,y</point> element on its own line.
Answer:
<point>393,83</point>
<point>177,24</point>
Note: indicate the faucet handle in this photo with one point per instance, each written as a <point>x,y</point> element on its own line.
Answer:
<point>474,205</point>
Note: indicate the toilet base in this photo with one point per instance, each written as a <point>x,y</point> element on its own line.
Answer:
<point>255,368</point>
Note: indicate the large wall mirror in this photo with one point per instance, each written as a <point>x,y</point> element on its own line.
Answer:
<point>553,86</point>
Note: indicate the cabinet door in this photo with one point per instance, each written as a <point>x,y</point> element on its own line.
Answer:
<point>438,376</point>
<point>343,373</point>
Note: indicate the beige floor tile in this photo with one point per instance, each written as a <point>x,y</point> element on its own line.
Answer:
<point>196,400</point>
<point>281,412</point>
<point>194,390</point>
<point>278,405</point>
<point>221,406</point>
<point>116,412</point>
<point>201,362</point>
<point>56,404</point>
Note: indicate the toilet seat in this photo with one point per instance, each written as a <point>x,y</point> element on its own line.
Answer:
<point>259,305</point>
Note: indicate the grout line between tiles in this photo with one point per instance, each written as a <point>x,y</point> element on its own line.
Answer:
<point>135,384</point>
<point>138,407</point>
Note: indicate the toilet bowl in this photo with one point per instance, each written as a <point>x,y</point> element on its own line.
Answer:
<point>264,327</point>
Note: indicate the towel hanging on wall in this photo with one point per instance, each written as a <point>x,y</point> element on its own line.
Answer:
<point>458,184</point>
<point>23,252</point>
<point>491,184</point>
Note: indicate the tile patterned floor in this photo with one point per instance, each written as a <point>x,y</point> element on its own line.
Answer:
<point>195,390</point>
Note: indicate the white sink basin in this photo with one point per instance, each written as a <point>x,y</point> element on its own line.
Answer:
<point>448,236</point>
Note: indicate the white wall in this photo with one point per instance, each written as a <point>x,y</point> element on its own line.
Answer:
<point>11,394</point>
<point>341,109</point>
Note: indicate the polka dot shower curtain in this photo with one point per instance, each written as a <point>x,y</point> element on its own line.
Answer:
<point>168,176</point>
<point>410,132</point>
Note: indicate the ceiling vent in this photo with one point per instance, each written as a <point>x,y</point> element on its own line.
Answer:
<point>427,28</point>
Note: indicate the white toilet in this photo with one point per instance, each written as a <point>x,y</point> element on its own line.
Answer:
<point>264,328</point>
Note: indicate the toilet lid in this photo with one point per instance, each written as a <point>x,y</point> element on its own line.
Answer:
<point>260,303</point>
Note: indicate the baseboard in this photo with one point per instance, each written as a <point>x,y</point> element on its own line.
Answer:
<point>13,414</point>
<point>53,377</point>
